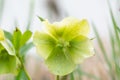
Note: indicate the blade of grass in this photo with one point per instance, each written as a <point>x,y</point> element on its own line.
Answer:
<point>103,51</point>
<point>101,45</point>
<point>112,42</point>
<point>31,12</point>
<point>81,72</point>
<point>72,76</point>
<point>115,26</point>
<point>118,29</point>
<point>2,2</point>
<point>117,40</point>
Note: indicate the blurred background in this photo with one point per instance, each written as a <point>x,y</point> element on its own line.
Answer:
<point>103,16</point>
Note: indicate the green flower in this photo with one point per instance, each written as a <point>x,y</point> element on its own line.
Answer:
<point>64,44</point>
<point>8,60</point>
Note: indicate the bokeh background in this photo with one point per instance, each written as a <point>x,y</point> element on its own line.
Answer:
<point>23,14</point>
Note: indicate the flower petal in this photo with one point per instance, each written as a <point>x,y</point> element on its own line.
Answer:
<point>68,28</point>
<point>81,48</point>
<point>75,27</point>
<point>8,63</point>
<point>2,37</point>
<point>9,47</point>
<point>55,29</point>
<point>44,43</point>
<point>59,63</point>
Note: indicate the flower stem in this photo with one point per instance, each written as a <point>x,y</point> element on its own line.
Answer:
<point>23,67</point>
<point>26,73</point>
<point>57,77</point>
<point>64,77</point>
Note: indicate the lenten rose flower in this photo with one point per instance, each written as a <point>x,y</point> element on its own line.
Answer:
<point>64,44</point>
<point>8,59</point>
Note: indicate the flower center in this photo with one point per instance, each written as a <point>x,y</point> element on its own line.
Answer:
<point>62,43</point>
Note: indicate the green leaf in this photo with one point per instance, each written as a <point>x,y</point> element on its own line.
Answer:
<point>59,63</point>
<point>118,29</point>
<point>101,45</point>
<point>25,37</point>
<point>117,41</point>
<point>104,52</point>
<point>25,48</point>
<point>8,35</point>
<point>41,19</point>
<point>17,38</point>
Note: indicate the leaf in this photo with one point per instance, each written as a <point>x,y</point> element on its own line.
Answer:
<point>101,45</point>
<point>104,52</point>
<point>8,35</point>
<point>118,29</point>
<point>25,48</point>
<point>117,40</point>
<point>41,19</point>
<point>17,38</point>
<point>25,37</point>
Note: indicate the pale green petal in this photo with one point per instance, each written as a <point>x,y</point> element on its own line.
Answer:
<point>5,44</point>
<point>68,28</point>
<point>55,29</point>
<point>2,37</point>
<point>75,27</point>
<point>8,63</point>
<point>44,43</point>
<point>60,63</point>
<point>9,47</point>
<point>81,48</point>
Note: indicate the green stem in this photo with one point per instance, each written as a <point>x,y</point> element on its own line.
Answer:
<point>57,77</point>
<point>26,73</point>
<point>64,77</point>
<point>23,67</point>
